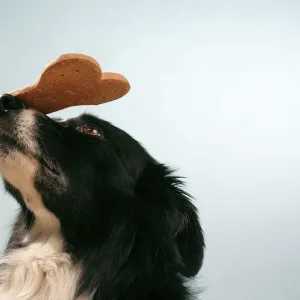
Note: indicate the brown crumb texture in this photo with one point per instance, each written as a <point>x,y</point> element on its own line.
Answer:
<point>71,80</point>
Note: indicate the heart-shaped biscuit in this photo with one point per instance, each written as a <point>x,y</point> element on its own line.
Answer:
<point>73,79</point>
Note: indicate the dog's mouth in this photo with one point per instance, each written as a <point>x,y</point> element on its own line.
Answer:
<point>9,143</point>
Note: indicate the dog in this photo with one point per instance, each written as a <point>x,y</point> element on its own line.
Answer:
<point>99,217</point>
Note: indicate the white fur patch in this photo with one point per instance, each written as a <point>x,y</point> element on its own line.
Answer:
<point>40,271</point>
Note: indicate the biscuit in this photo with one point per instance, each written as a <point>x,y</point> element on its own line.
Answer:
<point>71,80</point>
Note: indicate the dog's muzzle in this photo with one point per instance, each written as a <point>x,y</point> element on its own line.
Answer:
<point>9,102</point>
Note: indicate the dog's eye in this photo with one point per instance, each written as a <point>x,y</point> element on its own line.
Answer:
<point>91,130</point>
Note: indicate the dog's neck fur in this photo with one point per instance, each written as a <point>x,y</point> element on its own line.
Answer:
<point>40,270</point>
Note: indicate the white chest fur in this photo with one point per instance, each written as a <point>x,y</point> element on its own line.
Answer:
<point>40,271</point>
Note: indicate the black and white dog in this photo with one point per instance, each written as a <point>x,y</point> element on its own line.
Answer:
<point>99,217</point>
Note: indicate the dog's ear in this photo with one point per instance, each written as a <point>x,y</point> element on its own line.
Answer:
<point>181,227</point>
<point>188,235</point>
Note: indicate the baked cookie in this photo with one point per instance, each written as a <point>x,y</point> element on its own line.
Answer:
<point>73,79</point>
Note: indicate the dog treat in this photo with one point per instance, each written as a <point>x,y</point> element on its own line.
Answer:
<point>71,80</point>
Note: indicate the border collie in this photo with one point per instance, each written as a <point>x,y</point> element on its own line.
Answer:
<point>99,217</point>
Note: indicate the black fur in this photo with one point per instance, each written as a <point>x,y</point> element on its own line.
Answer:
<point>124,215</point>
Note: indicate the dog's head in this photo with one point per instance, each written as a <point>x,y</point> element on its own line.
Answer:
<point>100,189</point>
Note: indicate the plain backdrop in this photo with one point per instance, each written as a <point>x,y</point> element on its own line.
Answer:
<point>215,93</point>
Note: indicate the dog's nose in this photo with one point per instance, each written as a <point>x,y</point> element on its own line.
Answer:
<point>9,102</point>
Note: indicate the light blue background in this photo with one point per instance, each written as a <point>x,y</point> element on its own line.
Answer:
<point>215,93</point>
